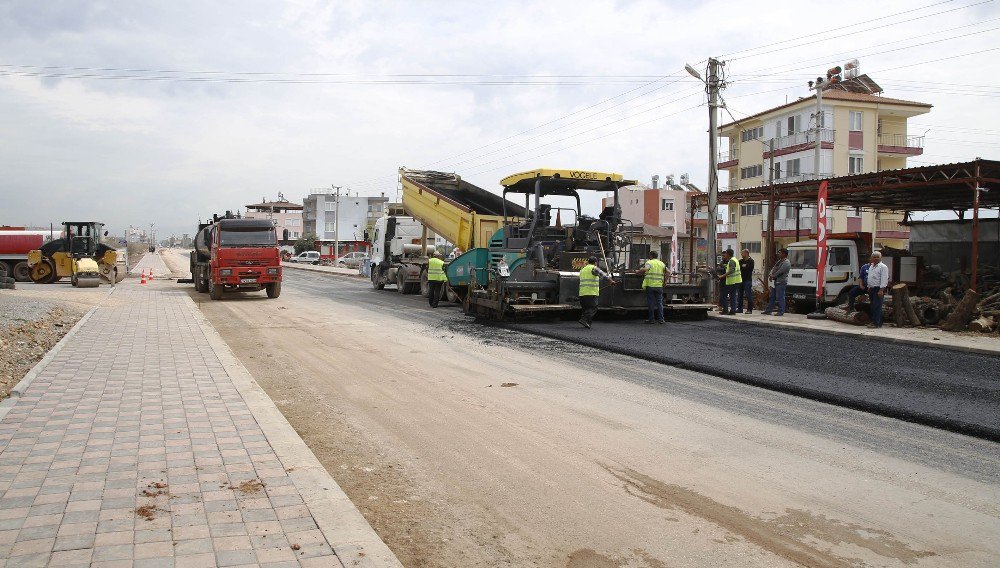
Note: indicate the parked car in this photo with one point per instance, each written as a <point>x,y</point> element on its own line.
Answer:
<point>308,257</point>
<point>351,260</point>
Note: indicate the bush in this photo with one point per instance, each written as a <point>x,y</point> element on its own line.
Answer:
<point>305,242</point>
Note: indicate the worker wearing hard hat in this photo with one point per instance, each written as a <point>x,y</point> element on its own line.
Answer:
<point>590,290</point>
<point>436,279</point>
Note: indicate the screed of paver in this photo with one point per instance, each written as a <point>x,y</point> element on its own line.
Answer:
<point>132,435</point>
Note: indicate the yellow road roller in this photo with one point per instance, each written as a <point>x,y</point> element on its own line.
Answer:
<point>79,255</point>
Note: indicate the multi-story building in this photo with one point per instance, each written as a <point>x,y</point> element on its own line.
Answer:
<point>286,216</point>
<point>655,208</point>
<point>859,132</point>
<point>350,226</point>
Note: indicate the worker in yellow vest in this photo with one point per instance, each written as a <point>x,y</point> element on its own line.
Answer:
<point>590,290</point>
<point>652,282</point>
<point>731,281</point>
<point>436,279</point>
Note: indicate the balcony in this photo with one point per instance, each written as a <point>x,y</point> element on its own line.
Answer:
<point>729,159</point>
<point>900,144</point>
<point>891,229</point>
<point>800,141</point>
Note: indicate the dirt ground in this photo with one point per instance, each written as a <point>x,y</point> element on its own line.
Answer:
<point>498,450</point>
<point>33,318</point>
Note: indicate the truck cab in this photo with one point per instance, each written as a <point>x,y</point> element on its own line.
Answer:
<point>843,265</point>
<point>235,254</point>
<point>396,239</point>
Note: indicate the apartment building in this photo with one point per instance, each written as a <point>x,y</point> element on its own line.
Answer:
<point>860,131</point>
<point>350,227</point>
<point>657,211</point>
<point>286,216</point>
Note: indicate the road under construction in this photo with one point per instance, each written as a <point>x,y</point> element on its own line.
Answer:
<point>494,445</point>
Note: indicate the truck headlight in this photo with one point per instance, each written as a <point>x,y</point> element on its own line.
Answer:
<point>226,272</point>
<point>272,270</point>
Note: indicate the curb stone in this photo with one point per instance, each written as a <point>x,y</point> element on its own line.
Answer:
<point>22,385</point>
<point>345,528</point>
<point>901,340</point>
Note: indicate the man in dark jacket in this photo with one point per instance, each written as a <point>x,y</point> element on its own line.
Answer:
<point>745,291</point>
<point>779,273</point>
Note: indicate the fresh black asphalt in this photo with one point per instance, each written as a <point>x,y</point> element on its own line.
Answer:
<point>941,388</point>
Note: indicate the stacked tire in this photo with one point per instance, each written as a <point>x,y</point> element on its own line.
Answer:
<point>6,283</point>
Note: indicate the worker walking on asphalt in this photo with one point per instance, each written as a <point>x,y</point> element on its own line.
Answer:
<point>652,282</point>
<point>745,291</point>
<point>878,281</point>
<point>732,279</point>
<point>590,289</point>
<point>435,279</point>
<point>779,273</point>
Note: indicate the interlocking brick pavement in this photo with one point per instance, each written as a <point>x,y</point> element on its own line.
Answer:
<point>133,447</point>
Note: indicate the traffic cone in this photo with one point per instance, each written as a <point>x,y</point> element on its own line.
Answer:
<point>150,277</point>
<point>143,281</point>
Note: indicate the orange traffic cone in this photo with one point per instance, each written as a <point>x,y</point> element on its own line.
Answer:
<point>143,281</point>
<point>150,277</point>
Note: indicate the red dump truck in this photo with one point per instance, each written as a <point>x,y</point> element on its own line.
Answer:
<point>15,244</point>
<point>232,254</point>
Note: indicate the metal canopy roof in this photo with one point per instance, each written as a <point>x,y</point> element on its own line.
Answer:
<point>947,186</point>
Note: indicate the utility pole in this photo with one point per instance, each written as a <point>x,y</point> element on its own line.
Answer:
<point>336,222</point>
<point>772,209</point>
<point>712,86</point>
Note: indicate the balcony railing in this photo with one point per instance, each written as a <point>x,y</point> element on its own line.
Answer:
<point>901,141</point>
<point>801,177</point>
<point>890,225</point>
<point>731,156</point>
<point>807,137</point>
<point>805,224</point>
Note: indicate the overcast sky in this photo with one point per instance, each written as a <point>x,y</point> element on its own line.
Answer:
<point>139,112</point>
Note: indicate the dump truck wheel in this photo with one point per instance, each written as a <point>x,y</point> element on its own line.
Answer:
<point>425,284</point>
<point>273,289</point>
<point>401,286</point>
<point>4,269</point>
<point>215,290</point>
<point>22,272</point>
<point>44,272</point>
<point>377,281</point>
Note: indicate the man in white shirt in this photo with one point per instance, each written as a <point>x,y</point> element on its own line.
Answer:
<point>878,281</point>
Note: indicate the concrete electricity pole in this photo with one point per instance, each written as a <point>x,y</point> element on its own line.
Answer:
<point>712,86</point>
<point>336,222</point>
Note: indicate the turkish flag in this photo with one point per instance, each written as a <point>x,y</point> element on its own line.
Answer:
<point>821,240</point>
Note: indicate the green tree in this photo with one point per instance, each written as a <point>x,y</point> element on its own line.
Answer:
<point>306,242</point>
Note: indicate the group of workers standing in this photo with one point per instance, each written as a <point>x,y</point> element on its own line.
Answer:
<point>652,282</point>
<point>737,283</point>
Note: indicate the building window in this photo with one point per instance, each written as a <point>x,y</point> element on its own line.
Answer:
<point>856,211</point>
<point>666,204</point>
<point>752,134</point>
<point>777,170</point>
<point>331,206</point>
<point>855,165</point>
<point>793,167</point>
<point>794,124</point>
<point>753,247</point>
<point>777,129</point>
<point>751,171</point>
<point>750,209</point>
<point>857,119</point>
<point>331,227</point>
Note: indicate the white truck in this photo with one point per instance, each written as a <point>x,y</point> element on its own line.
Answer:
<point>846,253</point>
<point>398,253</point>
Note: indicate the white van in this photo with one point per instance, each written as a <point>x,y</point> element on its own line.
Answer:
<point>308,257</point>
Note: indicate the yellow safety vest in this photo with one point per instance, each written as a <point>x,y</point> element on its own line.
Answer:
<point>435,270</point>
<point>736,277</point>
<point>654,276</point>
<point>590,283</point>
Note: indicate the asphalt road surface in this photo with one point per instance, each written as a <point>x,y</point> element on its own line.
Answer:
<point>942,388</point>
<point>471,445</point>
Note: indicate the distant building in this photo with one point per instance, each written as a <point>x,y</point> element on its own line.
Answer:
<point>860,131</point>
<point>657,211</point>
<point>350,227</point>
<point>286,216</point>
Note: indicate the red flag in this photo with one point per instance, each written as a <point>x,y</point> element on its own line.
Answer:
<point>821,240</point>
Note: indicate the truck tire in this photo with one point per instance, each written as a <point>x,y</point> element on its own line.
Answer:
<point>4,269</point>
<point>378,282</point>
<point>273,289</point>
<point>425,284</point>
<point>22,272</point>
<point>215,290</point>
<point>401,285</point>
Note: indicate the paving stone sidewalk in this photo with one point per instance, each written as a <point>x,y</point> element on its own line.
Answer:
<point>133,447</point>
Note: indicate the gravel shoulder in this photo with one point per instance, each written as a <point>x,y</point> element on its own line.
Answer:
<point>29,327</point>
